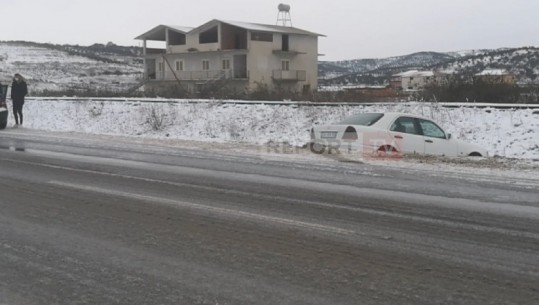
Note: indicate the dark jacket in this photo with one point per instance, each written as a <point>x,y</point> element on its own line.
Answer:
<point>18,91</point>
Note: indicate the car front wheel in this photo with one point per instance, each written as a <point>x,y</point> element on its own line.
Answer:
<point>475,154</point>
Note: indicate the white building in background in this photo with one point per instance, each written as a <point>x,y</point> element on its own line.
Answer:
<point>412,80</point>
<point>241,56</point>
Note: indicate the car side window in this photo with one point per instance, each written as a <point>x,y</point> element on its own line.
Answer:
<point>3,92</point>
<point>430,129</point>
<point>405,125</point>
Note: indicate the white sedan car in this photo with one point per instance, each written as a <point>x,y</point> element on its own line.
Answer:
<point>396,133</point>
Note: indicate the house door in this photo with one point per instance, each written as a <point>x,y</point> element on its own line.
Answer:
<point>240,66</point>
<point>150,69</point>
<point>285,43</point>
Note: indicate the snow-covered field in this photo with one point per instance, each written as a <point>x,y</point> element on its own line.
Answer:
<point>56,70</point>
<point>505,133</point>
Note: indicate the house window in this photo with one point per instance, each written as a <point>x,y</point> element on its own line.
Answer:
<point>209,36</point>
<point>226,64</point>
<point>176,39</point>
<point>205,65</point>
<point>262,36</point>
<point>285,65</point>
<point>160,67</point>
<point>179,65</point>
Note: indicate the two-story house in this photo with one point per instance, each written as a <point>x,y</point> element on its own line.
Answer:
<point>242,56</point>
<point>415,80</point>
<point>412,80</point>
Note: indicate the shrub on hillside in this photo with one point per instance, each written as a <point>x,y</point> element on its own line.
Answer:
<point>478,91</point>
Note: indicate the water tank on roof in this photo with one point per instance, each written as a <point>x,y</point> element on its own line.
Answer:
<point>284,7</point>
<point>283,17</point>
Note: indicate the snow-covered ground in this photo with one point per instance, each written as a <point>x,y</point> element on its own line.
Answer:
<point>505,133</point>
<point>277,132</point>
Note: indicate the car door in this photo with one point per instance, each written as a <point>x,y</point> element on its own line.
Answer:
<point>3,106</point>
<point>406,133</point>
<point>436,142</point>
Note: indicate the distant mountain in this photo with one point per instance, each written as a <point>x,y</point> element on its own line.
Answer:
<point>523,62</point>
<point>108,52</point>
<point>112,69</point>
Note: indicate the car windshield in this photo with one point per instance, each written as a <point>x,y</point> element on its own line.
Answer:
<point>364,119</point>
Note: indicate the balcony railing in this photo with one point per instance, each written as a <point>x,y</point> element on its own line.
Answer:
<point>154,51</point>
<point>194,75</point>
<point>288,53</point>
<point>289,75</point>
<point>203,75</point>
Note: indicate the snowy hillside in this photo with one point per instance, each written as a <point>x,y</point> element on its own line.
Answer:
<point>350,70</point>
<point>51,69</point>
<point>420,59</point>
<point>108,69</point>
<point>523,62</point>
<point>507,133</point>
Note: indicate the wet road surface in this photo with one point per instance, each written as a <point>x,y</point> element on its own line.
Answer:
<point>89,221</point>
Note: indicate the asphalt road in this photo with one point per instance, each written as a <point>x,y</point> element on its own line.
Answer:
<point>89,221</point>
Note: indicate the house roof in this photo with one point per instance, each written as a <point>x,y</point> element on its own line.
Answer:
<point>158,33</point>
<point>493,72</point>
<point>269,28</point>
<point>414,73</point>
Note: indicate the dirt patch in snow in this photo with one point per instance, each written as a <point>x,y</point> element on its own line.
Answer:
<point>476,162</point>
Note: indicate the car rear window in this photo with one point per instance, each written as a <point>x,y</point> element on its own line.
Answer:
<point>364,119</point>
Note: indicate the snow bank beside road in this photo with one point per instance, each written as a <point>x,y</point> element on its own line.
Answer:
<point>507,133</point>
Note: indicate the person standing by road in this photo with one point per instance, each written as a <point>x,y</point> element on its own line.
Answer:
<point>19,90</point>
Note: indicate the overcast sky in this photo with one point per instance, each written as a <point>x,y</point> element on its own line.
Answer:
<point>354,28</point>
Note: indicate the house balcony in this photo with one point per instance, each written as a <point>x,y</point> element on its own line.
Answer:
<point>155,51</point>
<point>287,53</point>
<point>205,75</point>
<point>289,75</point>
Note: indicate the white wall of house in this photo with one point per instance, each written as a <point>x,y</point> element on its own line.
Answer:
<point>192,65</point>
<point>260,62</point>
<point>302,58</point>
<point>309,60</point>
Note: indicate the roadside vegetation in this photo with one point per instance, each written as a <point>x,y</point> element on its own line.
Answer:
<point>459,91</point>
